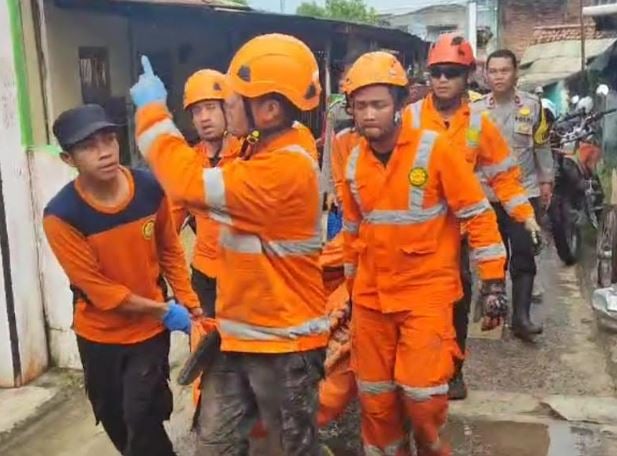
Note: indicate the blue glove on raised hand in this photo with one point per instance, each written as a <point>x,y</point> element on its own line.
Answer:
<point>177,318</point>
<point>149,88</point>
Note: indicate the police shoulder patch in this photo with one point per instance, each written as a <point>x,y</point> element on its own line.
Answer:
<point>418,176</point>
<point>524,111</point>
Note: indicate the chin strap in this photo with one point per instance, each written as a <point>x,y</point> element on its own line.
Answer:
<point>255,135</point>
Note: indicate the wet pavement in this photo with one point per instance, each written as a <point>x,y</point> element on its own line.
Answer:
<point>508,438</point>
<point>566,359</point>
<point>514,416</point>
<point>512,409</point>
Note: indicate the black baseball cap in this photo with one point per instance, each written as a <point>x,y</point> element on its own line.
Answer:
<point>79,123</point>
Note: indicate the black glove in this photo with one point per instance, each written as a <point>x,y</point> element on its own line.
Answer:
<point>494,302</point>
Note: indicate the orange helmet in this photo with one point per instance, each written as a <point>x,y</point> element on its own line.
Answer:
<point>276,63</point>
<point>375,68</point>
<point>451,48</point>
<point>204,85</point>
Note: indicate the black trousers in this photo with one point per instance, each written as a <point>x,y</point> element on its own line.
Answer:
<point>517,240</point>
<point>127,386</point>
<point>205,288</point>
<point>463,307</point>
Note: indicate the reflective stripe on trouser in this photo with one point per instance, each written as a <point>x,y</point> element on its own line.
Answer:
<point>415,212</point>
<point>405,364</point>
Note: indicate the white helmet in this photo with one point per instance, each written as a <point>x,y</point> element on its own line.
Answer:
<point>585,105</point>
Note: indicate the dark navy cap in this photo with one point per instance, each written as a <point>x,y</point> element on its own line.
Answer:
<point>79,123</point>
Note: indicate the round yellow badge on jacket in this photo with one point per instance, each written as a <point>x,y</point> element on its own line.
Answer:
<point>418,177</point>
<point>524,111</point>
<point>148,229</point>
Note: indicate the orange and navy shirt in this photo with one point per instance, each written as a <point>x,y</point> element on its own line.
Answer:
<point>109,253</point>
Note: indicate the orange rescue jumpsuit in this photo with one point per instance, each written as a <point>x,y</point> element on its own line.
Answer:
<point>284,310</point>
<point>485,149</point>
<point>402,241</point>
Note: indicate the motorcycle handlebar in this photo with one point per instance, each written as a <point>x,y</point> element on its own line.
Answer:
<point>574,115</point>
<point>590,116</point>
<point>601,114</point>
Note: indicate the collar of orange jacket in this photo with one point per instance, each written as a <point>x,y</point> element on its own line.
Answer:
<point>432,119</point>
<point>229,148</point>
<point>462,110</point>
<point>296,136</point>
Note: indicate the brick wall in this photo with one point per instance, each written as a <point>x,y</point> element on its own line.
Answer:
<point>551,33</point>
<point>519,19</point>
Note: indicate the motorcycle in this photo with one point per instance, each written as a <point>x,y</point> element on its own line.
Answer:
<point>578,195</point>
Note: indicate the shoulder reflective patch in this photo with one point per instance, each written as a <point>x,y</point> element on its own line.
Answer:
<point>418,176</point>
<point>473,135</point>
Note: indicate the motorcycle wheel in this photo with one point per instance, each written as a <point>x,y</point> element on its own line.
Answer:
<point>566,232</point>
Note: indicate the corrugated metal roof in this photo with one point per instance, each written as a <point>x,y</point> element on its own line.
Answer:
<point>550,62</point>
<point>229,9</point>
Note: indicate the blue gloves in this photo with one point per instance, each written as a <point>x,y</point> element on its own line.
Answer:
<point>177,318</point>
<point>335,222</point>
<point>149,88</point>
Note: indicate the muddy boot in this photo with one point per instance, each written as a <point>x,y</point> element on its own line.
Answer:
<point>522,327</point>
<point>457,390</point>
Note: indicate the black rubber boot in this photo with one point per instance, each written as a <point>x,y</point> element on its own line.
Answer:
<point>522,327</point>
<point>457,390</point>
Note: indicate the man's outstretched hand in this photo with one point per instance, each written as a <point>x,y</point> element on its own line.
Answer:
<point>149,88</point>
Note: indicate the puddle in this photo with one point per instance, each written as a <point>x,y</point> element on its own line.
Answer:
<point>506,438</point>
<point>473,437</point>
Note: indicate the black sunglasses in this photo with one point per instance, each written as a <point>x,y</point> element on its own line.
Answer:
<point>449,71</point>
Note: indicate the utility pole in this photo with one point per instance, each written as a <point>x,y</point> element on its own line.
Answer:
<point>472,25</point>
<point>282,6</point>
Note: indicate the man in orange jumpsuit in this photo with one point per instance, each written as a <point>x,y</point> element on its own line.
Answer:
<point>447,110</point>
<point>204,94</point>
<point>270,307</point>
<point>405,196</point>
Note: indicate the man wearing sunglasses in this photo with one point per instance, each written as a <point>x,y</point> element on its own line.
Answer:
<point>447,109</point>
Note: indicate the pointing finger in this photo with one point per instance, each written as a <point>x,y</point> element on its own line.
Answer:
<point>146,65</point>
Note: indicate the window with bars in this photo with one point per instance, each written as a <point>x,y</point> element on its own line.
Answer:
<point>94,74</point>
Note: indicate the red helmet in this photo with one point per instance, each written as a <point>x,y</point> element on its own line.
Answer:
<point>451,48</point>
